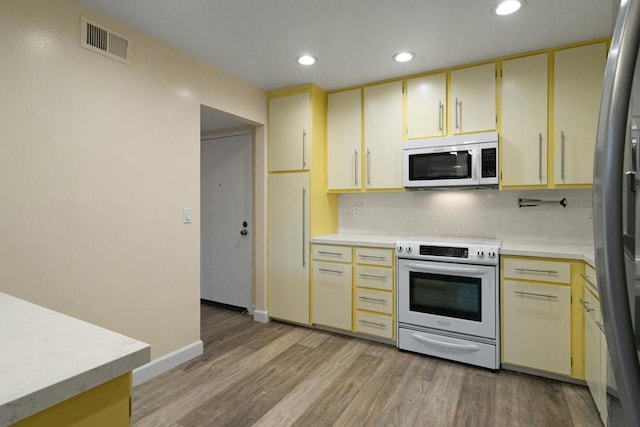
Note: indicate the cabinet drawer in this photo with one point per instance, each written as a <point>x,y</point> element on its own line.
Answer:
<point>544,271</point>
<point>331,253</point>
<point>537,326</point>
<point>374,256</point>
<point>590,278</point>
<point>374,301</point>
<point>374,324</point>
<point>374,277</point>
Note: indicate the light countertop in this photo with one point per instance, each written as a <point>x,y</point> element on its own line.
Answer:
<point>47,357</point>
<point>509,246</point>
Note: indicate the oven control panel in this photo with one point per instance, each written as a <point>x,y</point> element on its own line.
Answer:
<point>472,253</point>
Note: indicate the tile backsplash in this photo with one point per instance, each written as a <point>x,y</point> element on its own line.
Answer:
<point>470,213</point>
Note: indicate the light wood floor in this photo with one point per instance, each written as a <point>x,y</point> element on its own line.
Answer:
<point>277,374</point>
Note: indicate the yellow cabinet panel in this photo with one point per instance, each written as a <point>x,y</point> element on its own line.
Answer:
<point>426,106</point>
<point>289,132</point>
<point>539,270</point>
<point>537,326</point>
<point>578,76</point>
<point>524,120</point>
<point>374,324</point>
<point>374,277</point>
<point>332,295</point>
<point>472,105</point>
<point>374,256</point>
<point>331,253</point>
<point>344,140</point>
<point>379,301</point>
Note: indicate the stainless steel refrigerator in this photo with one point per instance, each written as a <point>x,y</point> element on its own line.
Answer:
<point>616,202</point>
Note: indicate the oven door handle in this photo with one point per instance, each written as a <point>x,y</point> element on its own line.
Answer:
<point>443,269</point>
<point>465,347</point>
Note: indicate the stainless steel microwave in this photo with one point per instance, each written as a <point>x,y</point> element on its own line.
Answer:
<point>464,161</point>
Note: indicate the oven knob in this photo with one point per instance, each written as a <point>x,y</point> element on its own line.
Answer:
<point>492,254</point>
<point>408,249</point>
<point>480,254</point>
<point>399,249</point>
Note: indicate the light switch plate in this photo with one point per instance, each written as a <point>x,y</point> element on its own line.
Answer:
<point>186,215</point>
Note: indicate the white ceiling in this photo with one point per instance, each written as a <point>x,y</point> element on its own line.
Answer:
<point>258,40</point>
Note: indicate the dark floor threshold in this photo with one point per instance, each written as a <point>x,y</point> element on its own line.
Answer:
<point>242,310</point>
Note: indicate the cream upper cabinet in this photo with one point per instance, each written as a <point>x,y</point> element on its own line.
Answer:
<point>288,247</point>
<point>344,140</point>
<point>524,120</point>
<point>472,105</point>
<point>383,135</point>
<point>289,132</point>
<point>578,76</point>
<point>426,106</point>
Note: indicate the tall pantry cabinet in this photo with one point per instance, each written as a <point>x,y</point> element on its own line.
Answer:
<point>297,205</point>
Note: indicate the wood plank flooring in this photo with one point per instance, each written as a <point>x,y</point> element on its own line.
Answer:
<point>275,374</point>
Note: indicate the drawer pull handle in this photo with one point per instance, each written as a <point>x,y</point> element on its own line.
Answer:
<point>588,280</point>
<point>533,294</point>
<point>585,304</point>
<point>330,253</point>
<point>371,276</point>
<point>381,300</point>
<point>326,270</point>
<point>532,270</point>
<point>600,326</point>
<point>466,347</point>
<point>366,322</point>
<point>373,257</point>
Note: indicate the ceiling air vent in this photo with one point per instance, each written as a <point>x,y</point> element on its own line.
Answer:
<point>100,39</point>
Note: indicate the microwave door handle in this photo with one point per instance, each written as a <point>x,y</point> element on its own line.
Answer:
<point>475,165</point>
<point>444,269</point>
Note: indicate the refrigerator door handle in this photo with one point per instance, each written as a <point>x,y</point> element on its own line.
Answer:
<point>607,200</point>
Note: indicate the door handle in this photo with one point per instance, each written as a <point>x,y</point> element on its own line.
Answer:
<point>244,232</point>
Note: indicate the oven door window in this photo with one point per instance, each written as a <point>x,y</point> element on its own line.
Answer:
<point>447,165</point>
<point>444,295</point>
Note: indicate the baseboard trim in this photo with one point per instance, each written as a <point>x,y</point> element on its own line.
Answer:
<point>261,316</point>
<point>164,363</point>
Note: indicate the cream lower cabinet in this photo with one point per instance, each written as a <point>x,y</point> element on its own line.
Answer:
<point>536,316</point>
<point>595,347</point>
<point>288,254</point>
<point>354,293</point>
<point>332,289</point>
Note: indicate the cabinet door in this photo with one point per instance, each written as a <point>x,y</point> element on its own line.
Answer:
<point>289,132</point>
<point>473,99</point>
<point>288,243</point>
<point>524,121</point>
<point>383,135</point>
<point>344,140</point>
<point>537,326</point>
<point>591,345</point>
<point>426,106</point>
<point>332,295</point>
<point>577,88</point>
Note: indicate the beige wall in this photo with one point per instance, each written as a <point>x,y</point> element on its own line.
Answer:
<point>97,160</point>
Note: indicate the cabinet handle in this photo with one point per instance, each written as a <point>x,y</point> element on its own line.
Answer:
<point>326,270</point>
<point>373,257</point>
<point>458,116</point>
<point>600,326</point>
<point>330,253</point>
<point>366,322</point>
<point>304,257</point>
<point>371,276</point>
<point>384,301</point>
<point>368,168</point>
<point>540,157</point>
<point>562,144</point>
<point>585,304</point>
<point>533,294</point>
<point>304,137</point>
<point>532,270</point>
<point>588,280</point>
<point>355,167</point>
<point>440,115</point>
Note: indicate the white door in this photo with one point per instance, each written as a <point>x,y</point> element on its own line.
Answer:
<point>226,176</point>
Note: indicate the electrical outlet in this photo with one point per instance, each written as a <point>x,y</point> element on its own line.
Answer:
<point>355,211</point>
<point>589,213</point>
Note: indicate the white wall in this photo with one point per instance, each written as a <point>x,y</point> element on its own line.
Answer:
<point>97,160</point>
<point>470,213</point>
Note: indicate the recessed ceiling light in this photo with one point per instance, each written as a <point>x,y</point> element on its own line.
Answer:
<point>507,7</point>
<point>403,56</point>
<point>306,60</point>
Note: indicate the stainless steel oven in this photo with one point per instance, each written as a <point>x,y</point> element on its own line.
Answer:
<point>448,299</point>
